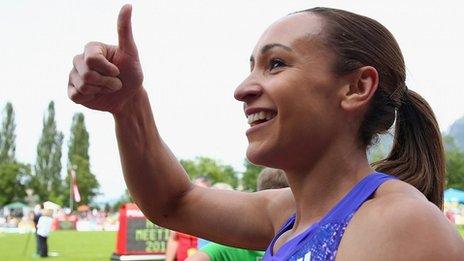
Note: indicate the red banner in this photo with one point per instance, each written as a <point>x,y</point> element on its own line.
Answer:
<point>137,235</point>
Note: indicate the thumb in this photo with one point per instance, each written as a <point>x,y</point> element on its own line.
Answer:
<point>125,37</point>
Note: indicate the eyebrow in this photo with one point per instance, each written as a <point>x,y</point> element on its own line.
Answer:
<point>268,47</point>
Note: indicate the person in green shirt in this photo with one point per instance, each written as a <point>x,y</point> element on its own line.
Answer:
<point>215,252</point>
<point>268,179</point>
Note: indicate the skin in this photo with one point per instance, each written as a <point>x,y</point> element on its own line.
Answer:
<point>313,138</point>
<point>199,256</point>
<point>171,248</point>
<point>173,243</point>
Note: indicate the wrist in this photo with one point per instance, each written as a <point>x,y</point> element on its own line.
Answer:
<point>137,101</point>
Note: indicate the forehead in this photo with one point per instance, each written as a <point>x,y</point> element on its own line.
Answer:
<point>292,30</point>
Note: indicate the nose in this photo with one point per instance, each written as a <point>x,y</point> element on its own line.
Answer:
<point>248,90</point>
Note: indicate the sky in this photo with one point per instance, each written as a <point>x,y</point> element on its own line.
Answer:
<point>194,54</point>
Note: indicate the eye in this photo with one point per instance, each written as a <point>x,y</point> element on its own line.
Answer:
<point>276,63</point>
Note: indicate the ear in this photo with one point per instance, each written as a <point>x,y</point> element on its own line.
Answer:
<point>362,86</point>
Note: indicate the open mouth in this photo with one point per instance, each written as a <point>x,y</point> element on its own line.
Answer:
<point>260,117</point>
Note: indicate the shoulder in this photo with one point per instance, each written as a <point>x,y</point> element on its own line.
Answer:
<point>400,224</point>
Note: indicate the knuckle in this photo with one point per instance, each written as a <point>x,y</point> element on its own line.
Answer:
<point>109,81</point>
<point>118,84</point>
<point>88,77</point>
<point>71,76</point>
<point>73,95</point>
<point>91,59</point>
<point>84,89</point>
<point>75,80</point>
<point>78,85</point>
<point>91,44</point>
<point>77,59</point>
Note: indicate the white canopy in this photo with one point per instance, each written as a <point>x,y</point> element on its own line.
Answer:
<point>51,205</point>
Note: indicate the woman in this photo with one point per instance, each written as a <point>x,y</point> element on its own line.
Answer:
<point>323,84</point>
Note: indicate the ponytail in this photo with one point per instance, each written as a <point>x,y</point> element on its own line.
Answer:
<point>417,156</point>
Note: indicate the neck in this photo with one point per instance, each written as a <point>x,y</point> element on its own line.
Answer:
<point>318,187</point>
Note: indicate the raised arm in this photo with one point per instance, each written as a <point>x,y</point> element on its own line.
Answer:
<point>109,78</point>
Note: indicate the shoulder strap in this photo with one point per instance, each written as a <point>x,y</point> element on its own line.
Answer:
<point>357,196</point>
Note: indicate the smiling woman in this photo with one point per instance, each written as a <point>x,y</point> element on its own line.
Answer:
<point>323,84</point>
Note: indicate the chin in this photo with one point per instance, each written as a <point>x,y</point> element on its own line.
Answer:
<point>261,156</point>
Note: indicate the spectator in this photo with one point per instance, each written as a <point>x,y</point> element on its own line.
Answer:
<point>37,213</point>
<point>44,227</point>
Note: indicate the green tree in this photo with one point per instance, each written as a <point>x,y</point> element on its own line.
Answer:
<point>375,154</point>
<point>78,158</point>
<point>47,182</point>
<point>250,176</point>
<point>7,135</point>
<point>14,176</point>
<point>381,146</point>
<point>454,164</point>
<point>13,179</point>
<point>213,169</point>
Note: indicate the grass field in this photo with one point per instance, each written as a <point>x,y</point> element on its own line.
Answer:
<point>461,230</point>
<point>70,245</point>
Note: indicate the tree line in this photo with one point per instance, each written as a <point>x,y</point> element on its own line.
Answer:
<point>42,180</point>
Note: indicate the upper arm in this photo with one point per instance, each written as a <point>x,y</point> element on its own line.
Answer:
<point>400,229</point>
<point>171,246</point>
<point>235,218</point>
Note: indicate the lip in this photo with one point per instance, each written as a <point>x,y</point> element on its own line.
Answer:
<point>258,126</point>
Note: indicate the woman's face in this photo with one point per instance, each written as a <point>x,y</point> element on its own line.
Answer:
<point>290,97</point>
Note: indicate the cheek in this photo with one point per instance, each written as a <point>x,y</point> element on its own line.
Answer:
<point>302,125</point>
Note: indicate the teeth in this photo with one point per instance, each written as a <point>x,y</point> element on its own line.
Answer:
<point>262,115</point>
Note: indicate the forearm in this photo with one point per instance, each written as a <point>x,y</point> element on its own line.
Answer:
<point>152,173</point>
<point>171,247</point>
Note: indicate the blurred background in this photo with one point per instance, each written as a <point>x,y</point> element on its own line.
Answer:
<point>194,54</point>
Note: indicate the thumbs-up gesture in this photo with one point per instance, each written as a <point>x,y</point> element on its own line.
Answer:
<point>105,76</point>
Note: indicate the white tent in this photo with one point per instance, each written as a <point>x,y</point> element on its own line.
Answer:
<point>51,205</point>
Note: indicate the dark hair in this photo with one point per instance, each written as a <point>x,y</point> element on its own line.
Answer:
<point>270,178</point>
<point>417,156</point>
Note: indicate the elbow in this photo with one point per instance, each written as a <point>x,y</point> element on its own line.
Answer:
<point>164,212</point>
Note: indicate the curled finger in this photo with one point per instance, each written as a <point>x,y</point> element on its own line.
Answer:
<point>111,84</point>
<point>95,58</point>
<point>78,97</point>
<point>84,88</point>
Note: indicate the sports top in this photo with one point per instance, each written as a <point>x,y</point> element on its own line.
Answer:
<point>320,241</point>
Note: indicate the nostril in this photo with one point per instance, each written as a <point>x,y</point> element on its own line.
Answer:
<point>247,92</point>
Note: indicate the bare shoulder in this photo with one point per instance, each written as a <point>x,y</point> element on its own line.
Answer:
<point>400,224</point>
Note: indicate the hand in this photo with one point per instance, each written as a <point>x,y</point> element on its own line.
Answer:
<point>105,77</point>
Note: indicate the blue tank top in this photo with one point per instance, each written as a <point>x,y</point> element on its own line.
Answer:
<point>320,241</point>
